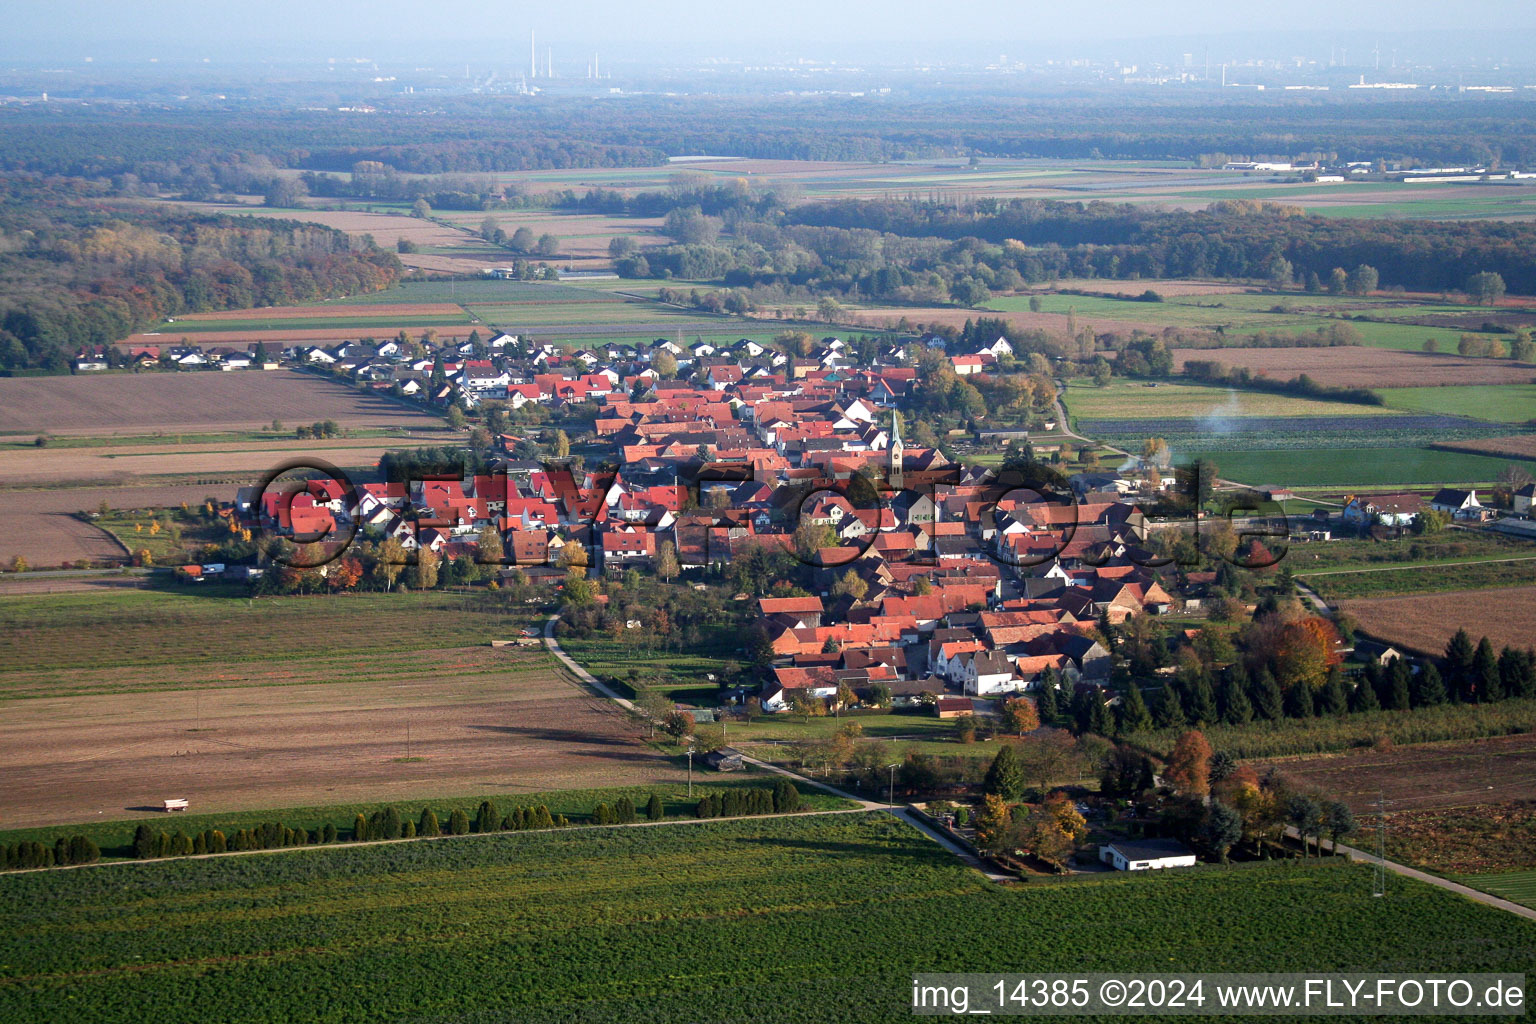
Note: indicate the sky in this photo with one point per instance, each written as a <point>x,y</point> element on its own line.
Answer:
<point>276,28</point>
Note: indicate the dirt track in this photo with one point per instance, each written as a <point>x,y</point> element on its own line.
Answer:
<point>89,758</point>
<point>41,527</point>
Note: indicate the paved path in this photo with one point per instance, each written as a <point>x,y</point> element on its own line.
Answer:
<point>965,855</point>
<point>1470,893</point>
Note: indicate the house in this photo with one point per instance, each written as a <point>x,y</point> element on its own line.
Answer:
<point>1371,650</point>
<point>1523,499</point>
<point>726,759</point>
<point>1460,504</point>
<point>953,707</point>
<point>1386,509</point>
<point>1146,854</point>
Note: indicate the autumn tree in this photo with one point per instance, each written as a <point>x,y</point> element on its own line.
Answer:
<point>1020,715</point>
<point>1049,755</point>
<point>1189,764</point>
<point>423,574</point>
<point>993,824</point>
<point>850,584</point>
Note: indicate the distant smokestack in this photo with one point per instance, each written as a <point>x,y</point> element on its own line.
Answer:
<point>549,62</point>
<point>533,56</point>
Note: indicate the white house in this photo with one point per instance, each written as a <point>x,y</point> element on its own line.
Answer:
<point>989,672</point>
<point>1146,854</point>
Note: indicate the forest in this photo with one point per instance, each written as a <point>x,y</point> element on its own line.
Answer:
<point>79,273</point>
<point>544,132</point>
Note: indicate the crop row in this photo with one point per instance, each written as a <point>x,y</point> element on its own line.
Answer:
<point>786,920</point>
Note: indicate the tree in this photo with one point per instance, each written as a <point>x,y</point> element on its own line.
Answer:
<point>666,561</point>
<point>620,246</point>
<point>1020,715</point>
<point>458,823</point>
<point>1339,821</point>
<point>285,193</point>
<point>653,809</point>
<point>1363,697</point>
<point>143,842</point>
<point>420,209</point>
<point>1305,815</point>
<point>1236,709</point>
<point>1397,695</point>
<point>677,723</point>
<point>1005,777</point>
<point>1047,756</point>
<point>423,573</point>
<point>1485,288</point>
<point>1338,281</point>
<point>1334,698</point>
<point>547,245</point>
<point>1169,713</point>
<point>1363,279</point>
<point>850,584</point>
<point>1196,481</point>
<point>1300,701</point>
<point>1046,703</point>
<point>1221,830</point>
<point>1487,685</point>
<point>1133,714</point>
<point>1459,655</point>
<point>428,825</point>
<point>487,818</point>
<point>664,363</point>
<point>1189,764</point>
<point>1202,702</point>
<point>522,240</point>
<point>993,824</point>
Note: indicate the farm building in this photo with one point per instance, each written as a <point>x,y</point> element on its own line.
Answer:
<point>1460,504</point>
<point>1146,854</point>
<point>726,759</point>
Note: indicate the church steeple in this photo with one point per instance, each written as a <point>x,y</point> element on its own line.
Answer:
<point>894,474</point>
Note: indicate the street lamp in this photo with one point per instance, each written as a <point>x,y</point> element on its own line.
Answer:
<point>690,773</point>
<point>890,794</point>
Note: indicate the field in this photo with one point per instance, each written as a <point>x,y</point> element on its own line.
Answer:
<point>1423,578</point>
<point>1359,467</point>
<point>1358,366</point>
<point>186,402</point>
<point>1128,400</point>
<point>284,702</point>
<point>649,924</point>
<point>1515,886</point>
<point>1425,623</point>
<point>1331,735</point>
<point>132,463</point>
<point>1422,778</point>
<point>1465,840</point>
<point>1512,403</point>
<point>1519,446</point>
<point>40,525</point>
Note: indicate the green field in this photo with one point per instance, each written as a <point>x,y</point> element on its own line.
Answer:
<point>1424,578</point>
<point>1504,403</point>
<point>115,838</point>
<point>339,323</point>
<point>1516,886</point>
<point>782,920</point>
<point>213,636</point>
<point>1360,467</point>
<point>687,673</point>
<point>1136,400</point>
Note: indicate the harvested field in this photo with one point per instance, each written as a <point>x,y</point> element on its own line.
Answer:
<point>1357,366</point>
<point>1521,446</point>
<point>321,311</point>
<point>889,317</point>
<point>1425,622</point>
<point>286,702</point>
<point>286,336</point>
<point>174,402</point>
<point>19,466</point>
<point>41,526</point>
<point>1465,840</point>
<point>523,729</point>
<point>34,585</point>
<point>1418,778</point>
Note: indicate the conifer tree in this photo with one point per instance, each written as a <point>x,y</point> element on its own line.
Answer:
<point>428,825</point>
<point>487,819</point>
<point>1459,655</point>
<point>359,828</point>
<point>1300,701</point>
<point>1169,712</point>
<point>1398,686</point>
<point>1005,777</point>
<point>1485,673</point>
<point>1236,709</point>
<point>1047,703</point>
<point>1363,697</point>
<point>1428,687</point>
<point>653,809</point>
<point>143,842</point>
<point>1133,714</point>
<point>458,822</point>
<point>1202,702</point>
<point>1268,702</point>
<point>392,826</point>
<point>1334,699</point>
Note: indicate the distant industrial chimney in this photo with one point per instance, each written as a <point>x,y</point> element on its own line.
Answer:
<point>533,57</point>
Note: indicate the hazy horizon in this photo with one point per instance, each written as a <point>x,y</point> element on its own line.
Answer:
<point>246,31</point>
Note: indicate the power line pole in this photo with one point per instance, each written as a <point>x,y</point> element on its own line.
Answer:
<point>1379,883</point>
